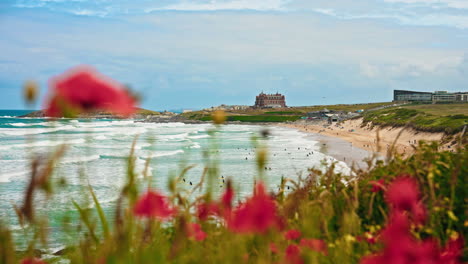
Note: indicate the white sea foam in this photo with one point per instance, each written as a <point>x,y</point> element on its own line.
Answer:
<point>6,177</point>
<point>44,143</point>
<point>195,145</point>
<point>79,159</point>
<point>32,131</point>
<point>176,136</point>
<point>101,137</point>
<point>163,154</point>
<point>199,136</point>
<point>21,124</point>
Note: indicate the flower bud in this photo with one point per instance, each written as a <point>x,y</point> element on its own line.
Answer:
<point>261,158</point>
<point>219,117</point>
<point>30,91</point>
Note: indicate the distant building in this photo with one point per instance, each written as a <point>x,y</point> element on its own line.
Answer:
<point>436,97</point>
<point>411,96</point>
<point>461,97</point>
<point>443,96</point>
<point>270,100</point>
<point>227,107</point>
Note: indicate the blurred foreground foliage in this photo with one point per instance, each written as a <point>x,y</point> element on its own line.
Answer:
<point>325,217</point>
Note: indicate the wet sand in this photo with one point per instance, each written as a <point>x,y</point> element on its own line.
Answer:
<point>343,150</point>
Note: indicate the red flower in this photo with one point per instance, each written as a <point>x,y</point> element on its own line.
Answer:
<point>153,204</point>
<point>377,186</point>
<point>453,251</point>
<point>403,194</point>
<point>257,215</point>
<point>401,246</point>
<point>397,228</point>
<point>293,254</point>
<point>32,261</point>
<point>314,244</point>
<point>204,210</point>
<point>196,232</point>
<point>274,248</point>
<point>292,234</point>
<point>83,89</point>
<point>228,195</point>
<point>374,259</point>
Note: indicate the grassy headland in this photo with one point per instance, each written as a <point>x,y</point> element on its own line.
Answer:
<point>279,114</point>
<point>446,118</point>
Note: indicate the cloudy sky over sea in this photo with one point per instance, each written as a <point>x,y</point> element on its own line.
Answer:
<point>194,53</point>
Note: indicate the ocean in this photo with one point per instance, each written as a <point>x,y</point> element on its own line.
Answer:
<point>98,148</point>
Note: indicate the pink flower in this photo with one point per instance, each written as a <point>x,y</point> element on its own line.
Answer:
<point>257,215</point>
<point>227,197</point>
<point>152,204</point>
<point>273,248</point>
<point>83,89</point>
<point>377,186</point>
<point>403,195</point>
<point>195,232</point>
<point>293,254</point>
<point>32,261</point>
<point>314,244</point>
<point>453,251</point>
<point>204,210</point>
<point>401,247</point>
<point>292,234</point>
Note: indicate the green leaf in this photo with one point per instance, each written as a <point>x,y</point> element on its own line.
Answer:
<point>102,216</point>
<point>85,219</point>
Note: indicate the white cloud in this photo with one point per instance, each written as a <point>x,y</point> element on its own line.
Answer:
<point>369,70</point>
<point>449,3</point>
<point>259,5</point>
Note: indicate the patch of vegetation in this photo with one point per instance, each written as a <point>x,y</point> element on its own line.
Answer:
<point>257,119</point>
<point>283,113</point>
<point>419,120</point>
<point>440,109</point>
<point>142,111</point>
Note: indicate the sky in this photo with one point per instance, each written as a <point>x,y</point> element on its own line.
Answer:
<point>200,53</point>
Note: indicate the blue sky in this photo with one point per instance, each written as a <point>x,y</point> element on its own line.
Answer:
<point>196,53</point>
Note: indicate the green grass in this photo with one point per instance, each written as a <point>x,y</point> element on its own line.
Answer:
<point>417,119</point>
<point>257,119</point>
<point>441,109</point>
<point>283,113</point>
<point>142,111</point>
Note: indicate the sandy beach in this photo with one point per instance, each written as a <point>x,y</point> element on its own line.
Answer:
<point>366,137</point>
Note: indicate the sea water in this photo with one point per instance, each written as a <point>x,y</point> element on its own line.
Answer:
<point>97,152</point>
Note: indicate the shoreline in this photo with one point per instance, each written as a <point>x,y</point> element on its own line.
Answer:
<point>339,148</point>
<point>365,137</point>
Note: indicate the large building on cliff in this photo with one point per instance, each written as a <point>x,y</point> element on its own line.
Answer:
<point>428,97</point>
<point>270,100</point>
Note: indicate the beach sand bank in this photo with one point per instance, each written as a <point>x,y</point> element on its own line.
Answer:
<point>366,137</point>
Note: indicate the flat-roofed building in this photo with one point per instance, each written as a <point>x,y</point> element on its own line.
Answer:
<point>426,97</point>
<point>461,97</point>
<point>411,96</point>
<point>443,96</point>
